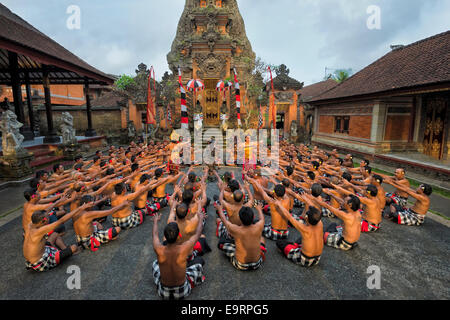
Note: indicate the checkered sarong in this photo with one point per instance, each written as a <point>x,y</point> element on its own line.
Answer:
<point>273,234</point>
<point>222,231</point>
<point>155,204</point>
<point>194,277</point>
<point>133,220</point>
<point>298,203</point>
<point>294,253</point>
<point>49,260</point>
<point>410,218</point>
<point>229,248</point>
<point>336,240</point>
<point>327,213</point>
<point>259,202</point>
<point>366,226</point>
<point>94,241</point>
<point>401,201</point>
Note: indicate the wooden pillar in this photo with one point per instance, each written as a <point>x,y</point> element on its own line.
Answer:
<point>90,132</point>
<point>29,102</point>
<point>17,95</point>
<point>51,136</point>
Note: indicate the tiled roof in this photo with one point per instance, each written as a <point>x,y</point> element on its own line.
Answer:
<point>16,32</point>
<point>424,62</point>
<point>311,91</point>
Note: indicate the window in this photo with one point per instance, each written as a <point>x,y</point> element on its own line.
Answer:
<point>346,125</point>
<point>342,124</point>
<point>337,124</point>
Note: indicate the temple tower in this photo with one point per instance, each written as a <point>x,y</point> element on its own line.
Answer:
<point>210,42</point>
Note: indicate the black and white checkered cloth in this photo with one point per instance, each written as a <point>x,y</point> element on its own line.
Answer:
<point>401,201</point>
<point>96,239</point>
<point>366,226</point>
<point>229,248</point>
<point>273,234</point>
<point>296,256</point>
<point>194,277</point>
<point>49,260</point>
<point>410,218</point>
<point>133,220</point>
<point>336,240</point>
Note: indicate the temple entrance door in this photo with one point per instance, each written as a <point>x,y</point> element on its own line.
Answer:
<point>436,111</point>
<point>211,111</point>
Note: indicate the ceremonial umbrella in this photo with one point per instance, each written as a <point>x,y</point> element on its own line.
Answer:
<point>195,85</point>
<point>223,85</point>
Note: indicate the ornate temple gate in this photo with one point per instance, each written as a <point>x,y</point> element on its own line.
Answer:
<point>211,114</point>
<point>435,126</point>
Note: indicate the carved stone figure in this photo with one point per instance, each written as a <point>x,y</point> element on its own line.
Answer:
<point>294,129</point>
<point>198,115</point>
<point>11,138</point>
<point>131,130</point>
<point>67,130</point>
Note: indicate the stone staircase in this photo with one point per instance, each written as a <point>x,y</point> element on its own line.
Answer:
<point>44,155</point>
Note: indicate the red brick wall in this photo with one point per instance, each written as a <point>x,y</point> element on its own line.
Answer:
<point>397,128</point>
<point>326,124</point>
<point>360,126</point>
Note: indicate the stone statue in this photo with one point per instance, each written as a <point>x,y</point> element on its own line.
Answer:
<point>131,130</point>
<point>11,137</point>
<point>294,129</point>
<point>67,130</point>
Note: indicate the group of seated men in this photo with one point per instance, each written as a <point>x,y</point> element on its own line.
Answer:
<point>130,184</point>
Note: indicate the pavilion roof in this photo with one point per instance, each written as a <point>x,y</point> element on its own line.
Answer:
<point>35,49</point>
<point>406,68</point>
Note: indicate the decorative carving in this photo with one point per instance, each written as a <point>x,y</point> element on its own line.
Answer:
<point>294,129</point>
<point>284,97</point>
<point>210,65</point>
<point>283,82</point>
<point>11,138</point>
<point>67,130</point>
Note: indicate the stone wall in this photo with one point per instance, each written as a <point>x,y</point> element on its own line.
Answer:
<point>105,120</point>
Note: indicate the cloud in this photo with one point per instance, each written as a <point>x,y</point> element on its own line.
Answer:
<point>306,35</point>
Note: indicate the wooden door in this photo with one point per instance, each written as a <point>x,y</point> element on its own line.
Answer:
<point>435,126</point>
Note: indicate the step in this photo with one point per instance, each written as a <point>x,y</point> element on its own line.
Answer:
<point>45,160</point>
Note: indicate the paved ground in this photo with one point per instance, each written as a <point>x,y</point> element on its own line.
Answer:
<point>413,263</point>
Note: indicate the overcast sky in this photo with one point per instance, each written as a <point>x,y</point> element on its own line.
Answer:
<point>306,35</point>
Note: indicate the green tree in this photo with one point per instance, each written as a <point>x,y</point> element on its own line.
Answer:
<point>124,82</point>
<point>341,75</point>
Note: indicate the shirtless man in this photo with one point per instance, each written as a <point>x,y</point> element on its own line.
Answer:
<point>343,237</point>
<point>278,229</point>
<point>247,249</point>
<point>372,211</point>
<point>160,198</point>
<point>399,197</point>
<point>232,209</point>
<point>39,254</point>
<point>87,232</point>
<point>307,250</point>
<point>414,216</point>
<point>188,227</point>
<point>173,275</point>
<point>127,218</point>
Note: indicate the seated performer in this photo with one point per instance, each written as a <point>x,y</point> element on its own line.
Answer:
<point>126,218</point>
<point>173,275</point>
<point>307,250</point>
<point>247,248</point>
<point>414,216</point>
<point>188,226</point>
<point>278,228</point>
<point>88,232</point>
<point>39,254</point>
<point>399,197</point>
<point>343,237</point>
<point>372,211</point>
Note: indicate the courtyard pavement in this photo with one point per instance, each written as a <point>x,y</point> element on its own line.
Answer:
<point>413,262</point>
